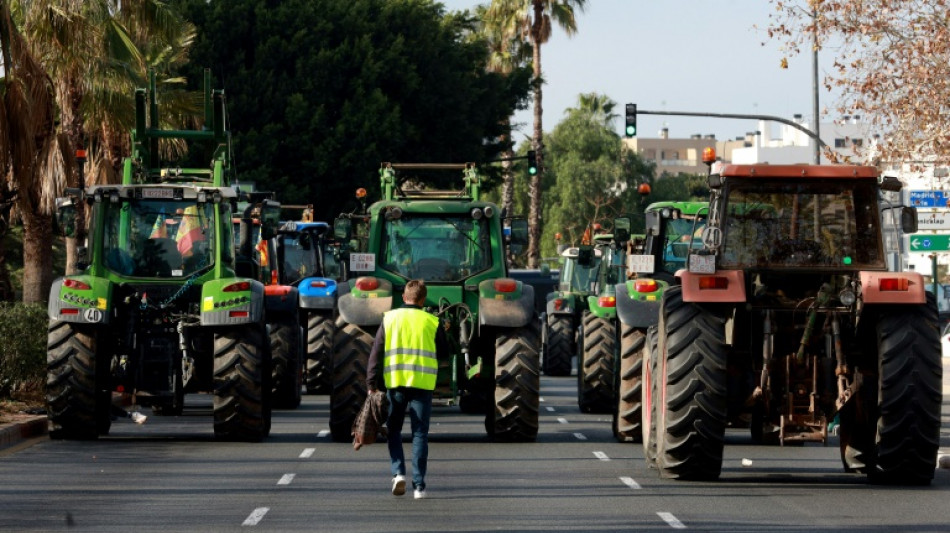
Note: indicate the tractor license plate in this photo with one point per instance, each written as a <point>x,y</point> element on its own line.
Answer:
<point>158,193</point>
<point>702,264</point>
<point>642,264</point>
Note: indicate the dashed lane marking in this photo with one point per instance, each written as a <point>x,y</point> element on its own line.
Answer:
<point>602,456</point>
<point>628,481</point>
<point>562,420</point>
<point>307,452</point>
<point>323,433</point>
<point>549,408</point>
<point>672,520</point>
<point>286,479</point>
<point>580,436</point>
<point>256,516</point>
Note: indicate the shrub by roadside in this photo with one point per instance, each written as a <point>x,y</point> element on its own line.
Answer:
<point>22,353</point>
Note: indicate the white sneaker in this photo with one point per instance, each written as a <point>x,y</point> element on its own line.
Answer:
<point>138,417</point>
<point>399,485</point>
<point>419,494</point>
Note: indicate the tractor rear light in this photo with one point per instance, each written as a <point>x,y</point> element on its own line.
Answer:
<point>558,304</point>
<point>277,290</point>
<point>645,285</point>
<point>367,283</point>
<point>894,284</point>
<point>76,284</point>
<point>273,278</point>
<point>607,301</point>
<point>69,311</point>
<point>713,283</point>
<point>506,285</point>
<point>318,284</point>
<point>240,286</point>
<point>238,314</point>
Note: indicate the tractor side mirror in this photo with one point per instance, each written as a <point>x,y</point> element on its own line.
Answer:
<point>909,219</point>
<point>65,218</point>
<point>585,255</point>
<point>270,219</point>
<point>519,231</point>
<point>622,229</point>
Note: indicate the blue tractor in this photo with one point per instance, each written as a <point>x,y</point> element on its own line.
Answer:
<point>309,260</point>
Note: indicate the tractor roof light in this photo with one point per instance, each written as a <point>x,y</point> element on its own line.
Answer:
<point>709,155</point>
<point>361,193</point>
<point>489,211</point>
<point>393,213</point>
<point>477,213</point>
<point>847,297</point>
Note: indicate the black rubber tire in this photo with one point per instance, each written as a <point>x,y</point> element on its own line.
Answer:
<point>627,418</point>
<point>517,386</point>
<point>351,347</point>
<point>649,397</point>
<point>911,382</point>
<point>242,389</point>
<point>559,345</point>
<point>74,407</point>
<point>286,355</point>
<point>320,329</point>
<point>595,366</point>
<point>691,423</point>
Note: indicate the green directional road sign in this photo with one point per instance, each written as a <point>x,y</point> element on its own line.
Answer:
<point>929,243</point>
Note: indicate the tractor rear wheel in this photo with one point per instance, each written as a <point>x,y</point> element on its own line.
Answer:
<point>351,347</point>
<point>595,367</point>
<point>627,417</point>
<point>320,330</point>
<point>692,414</point>
<point>77,409</point>
<point>910,385</point>
<point>559,345</point>
<point>517,386</point>
<point>285,360</point>
<point>242,403</point>
<point>649,397</point>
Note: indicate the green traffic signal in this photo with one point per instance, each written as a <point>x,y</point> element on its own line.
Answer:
<point>532,162</point>
<point>631,130</point>
<point>631,116</point>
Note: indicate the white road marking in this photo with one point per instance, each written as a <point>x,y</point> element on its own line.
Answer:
<point>580,436</point>
<point>602,456</point>
<point>307,452</point>
<point>562,420</point>
<point>541,399</point>
<point>323,433</point>
<point>628,481</point>
<point>286,479</point>
<point>672,520</point>
<point>549,408</point>
<point>255,516</point>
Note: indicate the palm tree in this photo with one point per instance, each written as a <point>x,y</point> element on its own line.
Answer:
<point>599,107</point>
<point>531,20</point>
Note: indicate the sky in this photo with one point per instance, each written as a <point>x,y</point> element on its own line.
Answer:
<point>702,56</point>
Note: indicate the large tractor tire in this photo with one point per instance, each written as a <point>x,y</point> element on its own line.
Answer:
<point>595,366</point>
<point>649,397</point>
<point>242,388</point>
<point>286,352</point>
<point>76,406</point>
<point>559,345</point>
<point>517,386</point>
<point>692,414</point>
<point>627,417</point>
<point>351,347</point>
<point>320,328</point>
<point>911,376</point>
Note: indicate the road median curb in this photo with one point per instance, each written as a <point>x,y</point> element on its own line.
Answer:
<point>12,433</point>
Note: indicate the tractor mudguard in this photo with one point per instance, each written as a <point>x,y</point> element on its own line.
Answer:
<point>729,289</point>
<point>636,312</point>
<point>567,308</point>
<point>85,299</point>
<point>280,298</point>
<point>365,307</point>
<point>232,301</point>
<point>908,288</point>
<point>318,293</point>
<point>602,309</point>
<point>512,309</point>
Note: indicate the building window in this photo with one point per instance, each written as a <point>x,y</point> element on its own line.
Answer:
<point>841,143</point>
<point>858,143</point>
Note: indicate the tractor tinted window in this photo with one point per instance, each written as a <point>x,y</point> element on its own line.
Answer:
<point>813,223</point>
<point>436,248</point>
<point>153,238</point>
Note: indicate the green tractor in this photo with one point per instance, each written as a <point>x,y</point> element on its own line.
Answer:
<point>579,319</point>
<point>455,242</point>
<point>672,229</point>
<point>157,309</point>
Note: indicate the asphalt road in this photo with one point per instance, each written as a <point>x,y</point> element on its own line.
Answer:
<point>170,475</point>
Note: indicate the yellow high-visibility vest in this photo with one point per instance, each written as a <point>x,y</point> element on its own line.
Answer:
<point>410,359</point>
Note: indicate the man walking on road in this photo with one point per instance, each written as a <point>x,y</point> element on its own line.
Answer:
<point>411,341</point>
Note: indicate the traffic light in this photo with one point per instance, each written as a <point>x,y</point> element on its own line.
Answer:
<point>631,129</point>
<point>532,162</point>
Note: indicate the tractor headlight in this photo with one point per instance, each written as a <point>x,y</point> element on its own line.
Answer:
<point>847,297</point>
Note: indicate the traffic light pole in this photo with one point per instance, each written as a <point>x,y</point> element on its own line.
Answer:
<point>785,121</point>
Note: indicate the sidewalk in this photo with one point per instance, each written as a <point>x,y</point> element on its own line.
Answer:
<point>13,433</point>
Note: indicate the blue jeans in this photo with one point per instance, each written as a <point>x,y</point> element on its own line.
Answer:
<point>419,404</point>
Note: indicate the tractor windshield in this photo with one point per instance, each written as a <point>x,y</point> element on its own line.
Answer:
<point>299,259</point>
<point>158,238</point>
<point>682,234</point>
<point>436,248</point>
<point>580,278</point>
<point>784,223</point>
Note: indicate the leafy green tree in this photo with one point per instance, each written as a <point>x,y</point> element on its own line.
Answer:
<point>532,20</point>
<point>322,91</point>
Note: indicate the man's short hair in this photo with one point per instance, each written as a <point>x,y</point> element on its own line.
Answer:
<point>415,292</point>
